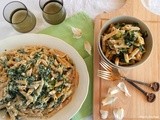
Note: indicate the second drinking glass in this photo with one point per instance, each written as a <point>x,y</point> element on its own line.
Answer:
<point>53,11</point>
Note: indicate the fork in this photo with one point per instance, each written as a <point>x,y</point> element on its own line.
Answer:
<point>113,74</point>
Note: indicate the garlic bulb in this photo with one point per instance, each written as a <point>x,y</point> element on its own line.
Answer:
<point>104,114</point>
<point>123,88</point>
<point>113,90</point>
<point>77,33</point>
<point>88,47</point>
<point>118,113</point>
<point>109,100</point>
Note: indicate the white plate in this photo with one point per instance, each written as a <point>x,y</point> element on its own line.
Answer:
<point>152,6</point>
<point>40,39</point>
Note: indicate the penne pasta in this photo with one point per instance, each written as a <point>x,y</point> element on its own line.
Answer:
<point>117,61</point>
<point>126,57</point>
<point>134,52</point>
<point>107,36</point>
<point>36,81</point>
<point>126,40</point>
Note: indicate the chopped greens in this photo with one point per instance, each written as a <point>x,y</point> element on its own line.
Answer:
<point>30,79</point>
<point>144,34</point>
<point>22,51</point>
<point>124,43</point>
<point>37,55</point>
<point>37,80</point>
<point>119,25</point>
<point>129,38</point>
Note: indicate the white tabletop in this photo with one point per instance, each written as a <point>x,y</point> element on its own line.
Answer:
<point>92,7</point>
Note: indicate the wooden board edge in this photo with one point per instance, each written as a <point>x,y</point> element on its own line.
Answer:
<point>96,82</point>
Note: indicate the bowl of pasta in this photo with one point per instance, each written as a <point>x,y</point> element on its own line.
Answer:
<point>125,42</point>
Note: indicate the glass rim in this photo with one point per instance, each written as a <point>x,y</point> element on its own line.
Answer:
<point>25,8</point>
<point>42,6</point>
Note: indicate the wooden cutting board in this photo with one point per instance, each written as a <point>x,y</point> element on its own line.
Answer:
<point>136,107</point>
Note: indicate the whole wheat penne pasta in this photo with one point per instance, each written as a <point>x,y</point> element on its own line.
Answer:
<point>36,81</point>
<point>127,40</point>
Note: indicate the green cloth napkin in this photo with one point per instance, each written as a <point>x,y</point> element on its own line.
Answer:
<point>64,32</point>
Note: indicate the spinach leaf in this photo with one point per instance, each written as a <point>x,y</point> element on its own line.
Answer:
<point>44,72</point>
<point>59,101</point>
<point>129,38</point>
<point>144,34</point>
<point>59,88</point>
<point>37,55</point>
<point>123,50</point>
<point>135,24</point>
<point>31,79</point>
<point>4,63</point>
<point>141,48</point>
<point>119,25</point>
<point>12,89</point>
<point>17,73</point>
<point>22,51</point>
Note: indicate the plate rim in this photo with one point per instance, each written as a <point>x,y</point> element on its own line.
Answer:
<point>144,3</point>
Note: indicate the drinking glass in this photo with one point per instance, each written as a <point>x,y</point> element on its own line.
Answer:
<point>17,14</point>
<point>53,11</point>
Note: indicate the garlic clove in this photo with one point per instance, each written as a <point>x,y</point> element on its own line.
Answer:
<point>109,100</point>
<point>77,33</point>
<point>118,113</point>
<point>104,114</point>
<point>123,88</point>
<point>113,90</point>
<point>87,47</point>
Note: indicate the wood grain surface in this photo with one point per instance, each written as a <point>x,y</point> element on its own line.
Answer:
<point>136,107</point>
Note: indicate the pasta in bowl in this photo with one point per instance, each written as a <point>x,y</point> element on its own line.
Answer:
<point>40,78</point>
<point>124,42</point>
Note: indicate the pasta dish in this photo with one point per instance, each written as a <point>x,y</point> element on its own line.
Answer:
<point>123,43</point>
<point>36,81</point>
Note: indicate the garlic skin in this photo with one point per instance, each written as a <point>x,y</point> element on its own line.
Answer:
<point>87,47</point>
<point>118,113</point>
<point>113,90</point>
<point>123,88</point>
<point>109,100</point>
<point>104,114</point>
<point>77,33</point>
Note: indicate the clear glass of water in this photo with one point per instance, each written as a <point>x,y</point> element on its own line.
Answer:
<point>17,14</point>
<point>53,11</point>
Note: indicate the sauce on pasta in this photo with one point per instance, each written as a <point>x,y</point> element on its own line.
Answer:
<point>36,81</point>
<point>123,43</point>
